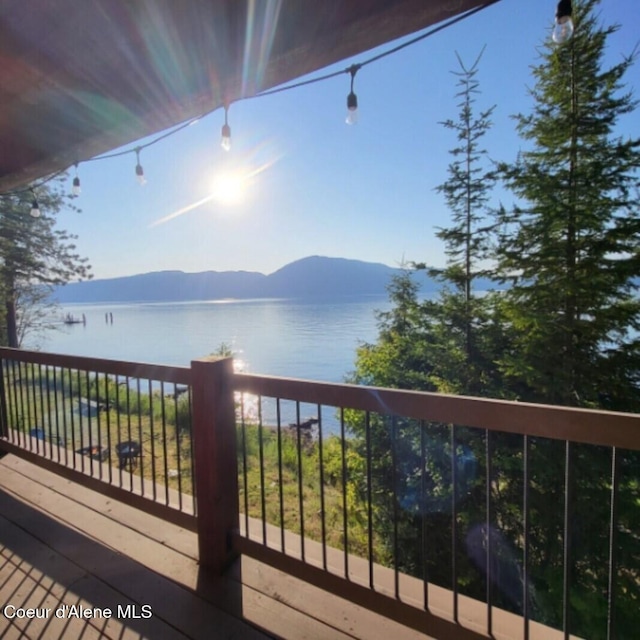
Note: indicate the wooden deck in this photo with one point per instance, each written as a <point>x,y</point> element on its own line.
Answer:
<point>62,544</point>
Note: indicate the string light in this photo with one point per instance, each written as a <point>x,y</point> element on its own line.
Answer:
<point>35,209</point>
<point>225,141</point>
<point>75,189</point>
<point>563,29</point>
<point>352,101</point>
<point>352,98</point>
<point>139,170</point>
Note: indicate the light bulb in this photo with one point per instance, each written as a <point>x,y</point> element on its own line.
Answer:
<point>139,170</point>
<point>352,98</point>
<point>563,29</point>
<point>75,185</point>
<point>225,141</point>
<point>352,108</point>
<point>140,175</point>
<point>35,209</point>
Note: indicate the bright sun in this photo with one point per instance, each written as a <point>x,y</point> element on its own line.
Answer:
<point>229,187</point>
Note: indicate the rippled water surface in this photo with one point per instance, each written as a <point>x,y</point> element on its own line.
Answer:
<point>314,339</point>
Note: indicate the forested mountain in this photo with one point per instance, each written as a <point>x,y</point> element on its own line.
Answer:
<point>312,276</point>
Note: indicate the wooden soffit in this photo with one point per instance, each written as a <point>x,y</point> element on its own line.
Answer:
<point>81,77</point>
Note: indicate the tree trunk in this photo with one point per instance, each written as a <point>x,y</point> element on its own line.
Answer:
<point>12,324</point>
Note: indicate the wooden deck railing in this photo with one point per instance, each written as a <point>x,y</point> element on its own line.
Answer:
<point>121,428</point>
<point>461,517</point>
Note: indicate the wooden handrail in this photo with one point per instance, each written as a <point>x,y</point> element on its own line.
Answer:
<point>160,373</point>
<point>605,428</point>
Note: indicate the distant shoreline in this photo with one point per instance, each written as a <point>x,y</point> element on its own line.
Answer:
<point>311,278</point>
<point>222,301</point>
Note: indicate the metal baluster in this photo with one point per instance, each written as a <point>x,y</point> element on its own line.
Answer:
<point>64,418</point>
<point>300,484</point>
<point>4,400</point>
<point>128,404</point>
<point>17,403</point>
<point>90,421</point>
<point>178,443</point>
<point>153,442</point>
<point>423,507</point>
<point>34,421</point>
<point>322,505</point>
<point>367,426</point>
<point>108,423</point>
<point>43,422</point>
<point>163,413</point>
<point>394,497</point>
<point>243,431</point>
<point>263,501</point>
<point>80,421</point>
<point>140,434</point>
<point>98,417</point>
<point>526,528</point>
<point>613,544</point>
<point>191,454</point>
<point>280,479</point>
<point>568,508</point>
<point>454,521</point>
<point>12,401</point>
<point>57,414</point>
<point>71,411</point>
<point>118,426</point>
<point>489,525</point>
<point>345,518</point>
<point>24,391</point>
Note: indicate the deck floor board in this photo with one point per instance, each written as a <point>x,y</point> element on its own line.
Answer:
<point>61,543</point>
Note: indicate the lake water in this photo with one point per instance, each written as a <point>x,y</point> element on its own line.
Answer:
<point>313,339</point>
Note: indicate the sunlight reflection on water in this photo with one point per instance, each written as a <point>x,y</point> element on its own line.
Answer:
<point>308,339</point>
<point>311,339</point>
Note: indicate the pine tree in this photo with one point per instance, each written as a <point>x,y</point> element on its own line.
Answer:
<point>571,245</point>
<point>461,319</point>
<point>570,248</point>
<point>398,358</point>
<point>34,255</point>
<point>467,189</point>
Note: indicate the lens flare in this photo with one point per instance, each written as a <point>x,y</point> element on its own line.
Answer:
<point>229,187</point>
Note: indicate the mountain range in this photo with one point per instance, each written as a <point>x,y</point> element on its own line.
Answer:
<point>314,276</point>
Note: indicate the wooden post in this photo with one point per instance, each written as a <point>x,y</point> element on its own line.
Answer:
<point>4,421</point>
<point>216,465</point>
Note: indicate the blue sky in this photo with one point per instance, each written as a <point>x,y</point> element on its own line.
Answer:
<point>319,186</point>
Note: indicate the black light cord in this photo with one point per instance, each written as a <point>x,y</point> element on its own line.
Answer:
<point>352,69</point>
